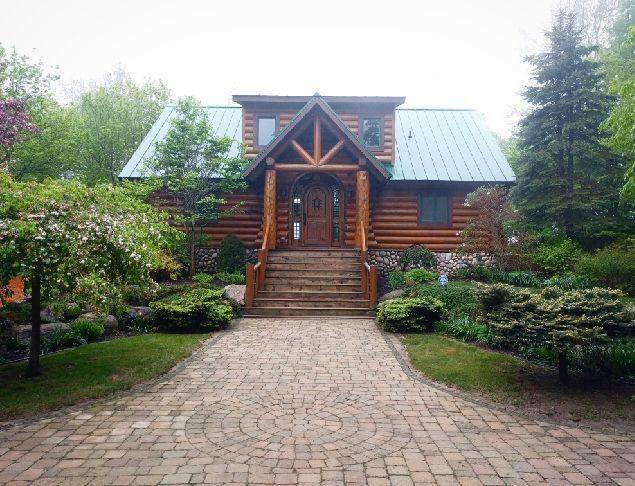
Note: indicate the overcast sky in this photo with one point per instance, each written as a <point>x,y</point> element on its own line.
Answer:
<point>437,53</point>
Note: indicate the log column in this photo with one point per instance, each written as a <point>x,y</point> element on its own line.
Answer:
<point>362,194</point>
<point>269,212</point>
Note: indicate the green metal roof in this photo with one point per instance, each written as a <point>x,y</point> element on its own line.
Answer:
<point>430,145</point>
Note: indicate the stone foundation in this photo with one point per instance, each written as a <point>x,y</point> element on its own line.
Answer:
<point>388,261</point>
<point>206,258</point>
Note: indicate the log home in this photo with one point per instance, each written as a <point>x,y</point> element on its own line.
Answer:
<point>338,187</point>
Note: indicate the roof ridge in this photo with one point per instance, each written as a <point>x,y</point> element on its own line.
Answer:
<point>434,109</point>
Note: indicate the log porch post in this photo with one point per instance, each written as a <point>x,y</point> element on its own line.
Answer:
<point>362,195</point>
<point>269,210</point>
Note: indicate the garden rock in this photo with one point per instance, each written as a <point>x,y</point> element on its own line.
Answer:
<point>24,331</point>
<point>111,325</point>
<point>47,316</point>
<point>137,314</point>
<point>235,294</point>
<point>392,295</point>
<point>89,316</point>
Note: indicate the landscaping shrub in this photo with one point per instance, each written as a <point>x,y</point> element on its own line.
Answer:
<point>463,327</point>
<point>139,294</point>
<point>166,267</point>
<point>203,278</point>
<point>613,266</point>
<point>396,280</point>
<point>61,338</point>
<point>521,278</point>
<point>475,272</point>
<point>197,308</point>
<point>417,256</point>
<point>568,281</point>
<point>236,278</point>
<point>615,358</point>
<point>72,311</point>
<point>419,276</point>
<point>457,299</point>
<point>409,314</point>
<point>231,255</point>
<point>89,331</point>
<point>556,257</point>
<point>557,319</point>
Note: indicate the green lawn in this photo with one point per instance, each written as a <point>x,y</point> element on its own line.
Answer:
<point>509,380</point>
<point>91,371</point>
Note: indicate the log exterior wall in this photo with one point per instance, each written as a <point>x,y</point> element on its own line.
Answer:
<point>394,219</point>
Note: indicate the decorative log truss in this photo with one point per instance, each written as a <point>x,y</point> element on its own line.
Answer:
<point>317,159</point>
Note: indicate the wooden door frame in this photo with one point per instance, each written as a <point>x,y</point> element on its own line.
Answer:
<point>331,182</point>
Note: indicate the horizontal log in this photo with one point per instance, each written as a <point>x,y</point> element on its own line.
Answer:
<point>314,168</point>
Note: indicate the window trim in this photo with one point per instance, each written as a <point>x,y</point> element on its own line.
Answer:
<point>423,224</point>
<point>258,116</point>
<point>382,121</point>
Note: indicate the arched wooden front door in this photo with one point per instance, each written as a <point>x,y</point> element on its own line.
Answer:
<point>317,216</point>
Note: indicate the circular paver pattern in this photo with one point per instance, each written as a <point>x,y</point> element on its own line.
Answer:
<point>339,427</point>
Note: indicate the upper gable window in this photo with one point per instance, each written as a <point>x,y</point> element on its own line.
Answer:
<point>266,128</point>
<point>371,132</point>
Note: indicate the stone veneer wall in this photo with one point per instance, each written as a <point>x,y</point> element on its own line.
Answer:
<point>388,260</point>
<point>206,258</point>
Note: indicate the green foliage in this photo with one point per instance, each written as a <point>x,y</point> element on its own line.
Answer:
<point>231,255</point>
<point>89,331</point>
<point>567,178</point>
<point>72,310</point>
<point>554,318</point>
<point>615,358</point>
<point>415,314</point>
<point>231,278</point>
<point>417,256</point>
<point>203,278</point>
<point>195,167</point>
<point>568,281</point>
<point>613,266</point>
<point>557,257</point>
<point>457,299</point>
<point>197,308</point>
<point>166,268</point>
<point>396,280</point>
<point>463,327</point>
<point>61,338</point>
<point>475,272</point>
<point>418,276</point>
<point>518,278</point>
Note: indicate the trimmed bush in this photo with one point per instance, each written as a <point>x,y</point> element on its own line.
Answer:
<point>409,314</point>
<point>556,257</point>
<point>556,319</point>
<point>89,331</point>
<point>419,276</point>
<point>457,299</point>
<point>396,280</point>
<point>198,308</point>
<point>613,266</point>
<point>417,256</point>
<point>475,272</point>
<point>203,278</point>
<point>231,255</point>
<point>231,278</point>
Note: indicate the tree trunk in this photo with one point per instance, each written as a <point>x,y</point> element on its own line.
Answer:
<point>563,367</point>
<point>33,368</point>
<point>570,186</point>
<point>192,248</point>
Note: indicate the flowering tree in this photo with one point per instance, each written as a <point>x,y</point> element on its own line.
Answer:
<point>14,122</point>
<point>62,236</point>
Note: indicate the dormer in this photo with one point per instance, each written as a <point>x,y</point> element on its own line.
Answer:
<point>370,118</point>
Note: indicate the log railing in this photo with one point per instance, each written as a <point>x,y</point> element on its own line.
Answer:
<point>255,276</point>
<point>369,274</point>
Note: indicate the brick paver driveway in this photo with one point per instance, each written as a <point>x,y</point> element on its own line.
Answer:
<point>303,401</point>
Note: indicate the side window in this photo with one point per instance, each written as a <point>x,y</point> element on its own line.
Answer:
<point>370,132</point>
<point>266,128</point>
<point>434,208</point>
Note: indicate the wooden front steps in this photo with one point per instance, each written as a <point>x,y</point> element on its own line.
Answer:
<point>311,283</point>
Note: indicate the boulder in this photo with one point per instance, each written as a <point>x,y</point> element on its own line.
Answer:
<point>110,325</point>
<point>89,316</point>
<point>47,316</point>
<point>137,314</point>
<point>393,294</point>
<point>235,294</point>
<point>24,331</point>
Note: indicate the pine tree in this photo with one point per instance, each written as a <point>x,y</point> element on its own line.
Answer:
<point>567,178</point>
